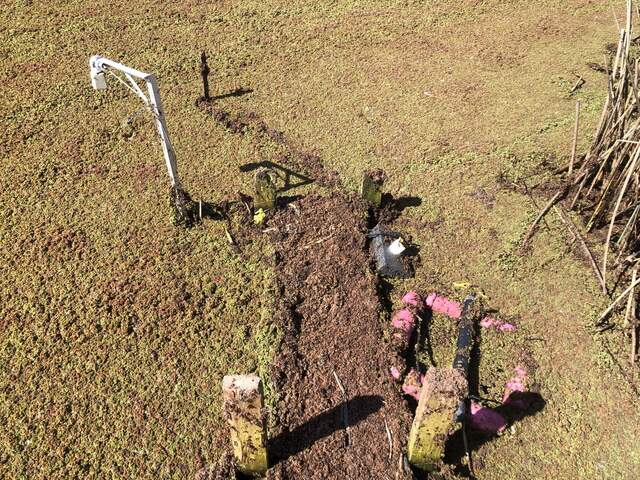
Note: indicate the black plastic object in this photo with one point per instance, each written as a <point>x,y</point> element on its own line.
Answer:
<point>466,332</point>
<point>387,264</point>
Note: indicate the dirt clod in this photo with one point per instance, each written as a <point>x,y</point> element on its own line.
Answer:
<point>377,176</point>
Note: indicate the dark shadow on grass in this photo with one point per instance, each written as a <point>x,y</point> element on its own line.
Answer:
<point>400,203</point>
<point>422,342</point>
<point>290,178</point>
<point>211,211</point>
<point>518,406</point>
<point>473,375</point>
<point>288,444</point>
<point>286,200</point>
<point>412,250</point>
<point>385,290</point>
<point>238,92</point>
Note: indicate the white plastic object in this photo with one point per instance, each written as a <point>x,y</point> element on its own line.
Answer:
<point>99,64</point>
<point>98,81</point>
<point>396,247</point>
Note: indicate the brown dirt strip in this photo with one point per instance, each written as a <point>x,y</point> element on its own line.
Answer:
<point>330,314</point>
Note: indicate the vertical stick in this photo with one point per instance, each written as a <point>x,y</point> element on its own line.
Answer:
<point>631,313</point>
<point>636,156</point>
<point>204,72</point>
<point>575,138</point>
<point>243,405</point>
<point>615,17</point>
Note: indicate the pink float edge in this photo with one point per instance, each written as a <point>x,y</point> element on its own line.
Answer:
<point>486,419</point>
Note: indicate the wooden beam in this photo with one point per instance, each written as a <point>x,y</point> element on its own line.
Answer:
<point>243,404</point>
<point>442,391</point>
<point>371,187</point>
<point>266,191</point>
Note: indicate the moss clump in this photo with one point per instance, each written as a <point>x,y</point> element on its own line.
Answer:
<point>184,211</point>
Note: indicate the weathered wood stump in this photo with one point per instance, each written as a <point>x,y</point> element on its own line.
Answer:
<point>243,403</point>
<point>371,187</point>
<point>266,190</point>
<point>442,391</point>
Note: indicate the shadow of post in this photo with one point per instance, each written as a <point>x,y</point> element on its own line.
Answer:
<point>391,208</point>
<point>518,406</point>
<point>290,443</point>
<point>212,211</point>
<point>290,178</point>
<point>238,92</point>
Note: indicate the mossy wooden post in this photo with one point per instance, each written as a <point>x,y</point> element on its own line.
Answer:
<point>266,191</point>
<point>371,189</point>
<point>243,404</point>
<point>442,390</point>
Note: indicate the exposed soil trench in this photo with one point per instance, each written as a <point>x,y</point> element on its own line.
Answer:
<point>340,414</point>
<point>330,313</point>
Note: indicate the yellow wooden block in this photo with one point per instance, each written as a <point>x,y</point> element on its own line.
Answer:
<point>442,391</point>
<point>243,405</point>
<point>266,191</point>
<point>370,190</point>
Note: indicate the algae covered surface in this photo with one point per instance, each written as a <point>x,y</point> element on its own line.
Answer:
<point>116,327</point>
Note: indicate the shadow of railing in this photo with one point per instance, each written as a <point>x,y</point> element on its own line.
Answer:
<point>290,178</point>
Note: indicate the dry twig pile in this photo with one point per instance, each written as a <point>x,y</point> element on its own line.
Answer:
<point>606,187</point>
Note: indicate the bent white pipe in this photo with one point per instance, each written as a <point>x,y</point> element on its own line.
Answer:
<point>99,64</point>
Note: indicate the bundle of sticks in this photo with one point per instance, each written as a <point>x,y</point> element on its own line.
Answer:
<point>606,185</point>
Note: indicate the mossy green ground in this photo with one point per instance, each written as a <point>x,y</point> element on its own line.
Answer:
<point>116,328</point>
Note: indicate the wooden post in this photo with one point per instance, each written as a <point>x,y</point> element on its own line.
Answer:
<point>442,391</point>
<point>243,405</point>
<point>575,139</point>
<point>204,72</point>
<point>371,187</point>
<point>266,191</point>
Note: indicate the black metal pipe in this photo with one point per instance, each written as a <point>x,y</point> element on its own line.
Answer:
<point>466,333</point>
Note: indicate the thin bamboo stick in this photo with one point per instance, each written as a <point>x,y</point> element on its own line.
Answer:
<point>576,233</point>
<point>575,139</point>
<point>615,211</point>
<point>615,302</point>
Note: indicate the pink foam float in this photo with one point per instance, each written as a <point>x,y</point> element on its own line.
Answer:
<point>453,309</point>
<point>487,322</point>
<point>414,299</point>
<point>485,419</point>
<point>440,304</point>
<point>403,323</point>
<point>395,373</point>
<point>412,384</point>
<point>488,420</point>
<point>514,389</point>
